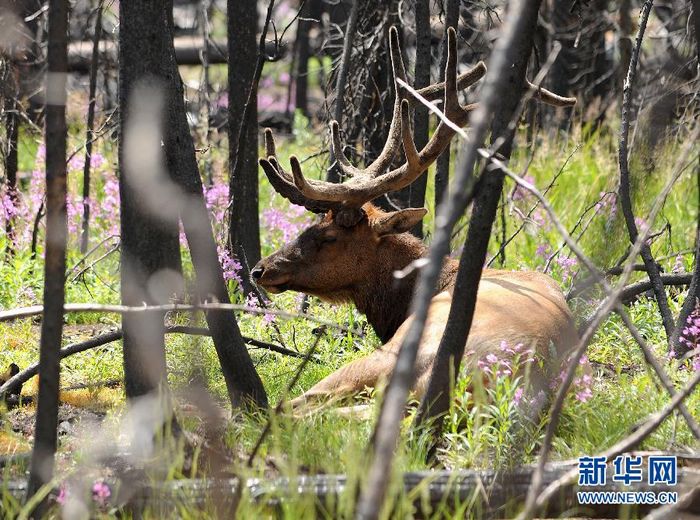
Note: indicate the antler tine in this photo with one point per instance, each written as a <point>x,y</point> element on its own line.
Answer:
<point>451,99</point>
<point>344,165</point>
<point>270,143</point>
<point>391,146</point>
<point>288,190</point>
<point>284,183</point>
<point>464,80</point>
<point>409,145</point>
<point>550,98</point>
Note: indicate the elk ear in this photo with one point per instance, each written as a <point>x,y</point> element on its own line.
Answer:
<point>398,221</point>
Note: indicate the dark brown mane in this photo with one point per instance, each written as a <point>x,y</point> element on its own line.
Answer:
<point>384,299</point>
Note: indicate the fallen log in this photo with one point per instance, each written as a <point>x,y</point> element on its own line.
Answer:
<point>489,493</point>
<point>188,51</point>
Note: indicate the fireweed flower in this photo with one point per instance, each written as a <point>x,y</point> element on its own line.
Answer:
<point>607,205</point>
<point>518,395</point>
<point>62,496</point>
<point>106,212</point>
<point>543,251</point>
<point>690,336</point>
<point>100,492</point>
<point>253,302</point>
<point>497,367</point>
<point>290,223</point>
<point>520,193</point>
<point>9,208</point>
<point>567,265</point>
<point>582,385</point>
<point>230,265</point>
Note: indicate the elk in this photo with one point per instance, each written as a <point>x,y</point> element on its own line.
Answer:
<point>353,252</point>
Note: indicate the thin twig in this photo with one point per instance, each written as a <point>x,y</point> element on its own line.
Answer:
<point>35,310</point>
<point>85,269</point>
<point>624,190</point>
<point>110,337</point>
<point>87,254</point>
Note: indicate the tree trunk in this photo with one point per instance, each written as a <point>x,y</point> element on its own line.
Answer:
<point>244,232</point>
<point>41,469</point>
<point>242,381</point>
<point>451,349</point>
<point>692,300</point>
<point>11,107</point>
<point>442,169</point>
<point>85,230</point>
<point>301,74</point>
<point>420,116</point>
<point>342,81</point>
<point>149,244</point>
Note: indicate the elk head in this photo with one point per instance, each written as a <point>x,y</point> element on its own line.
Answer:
<point>355,242</point>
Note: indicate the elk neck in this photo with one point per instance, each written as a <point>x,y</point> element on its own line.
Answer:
<point>384,299</point>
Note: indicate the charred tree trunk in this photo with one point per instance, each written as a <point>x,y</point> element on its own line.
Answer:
<point>420,116</point>
<point>85,231</point>
<point>242,381</point>
<point>625,42</point>
<point>301,74</point>
<point>149,243</point>
<point>11,107</point>
<point>692,300</point>
<point>442,170</point>
<point>244,232</point>
<point>45,435</point>
<point>451,349</point>
<point>342,80</point>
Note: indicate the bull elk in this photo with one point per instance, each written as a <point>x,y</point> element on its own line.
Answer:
<point>352,253</point>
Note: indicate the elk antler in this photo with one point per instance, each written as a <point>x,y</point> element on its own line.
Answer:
<point>371,182</point>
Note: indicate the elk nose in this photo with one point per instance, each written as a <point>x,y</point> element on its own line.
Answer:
<point>257,272</point>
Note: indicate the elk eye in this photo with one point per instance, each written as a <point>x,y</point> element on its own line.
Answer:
<point>329,239</point>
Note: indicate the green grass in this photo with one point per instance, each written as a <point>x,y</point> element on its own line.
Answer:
<point>479,433</point>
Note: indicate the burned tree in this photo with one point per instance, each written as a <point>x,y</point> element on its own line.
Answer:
<point>45,435</point>
<point>149,239</point>
<point>244,233</point>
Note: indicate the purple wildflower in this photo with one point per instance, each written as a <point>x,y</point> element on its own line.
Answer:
<point>543,251</point>
<point>690,335</point>
<point>678,266</point>
<point>62,496</point>
<point>607,205</point>
<point>230,265</point>
<point>520,193</point>
<point>289,223</point>
<point>567,265</point>
<point>518,395</point>
<point>100,492</point>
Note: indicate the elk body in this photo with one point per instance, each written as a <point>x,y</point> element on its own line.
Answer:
<point>354,251</point>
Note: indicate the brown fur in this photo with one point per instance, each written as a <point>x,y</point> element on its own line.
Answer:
<point>357,264</point>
